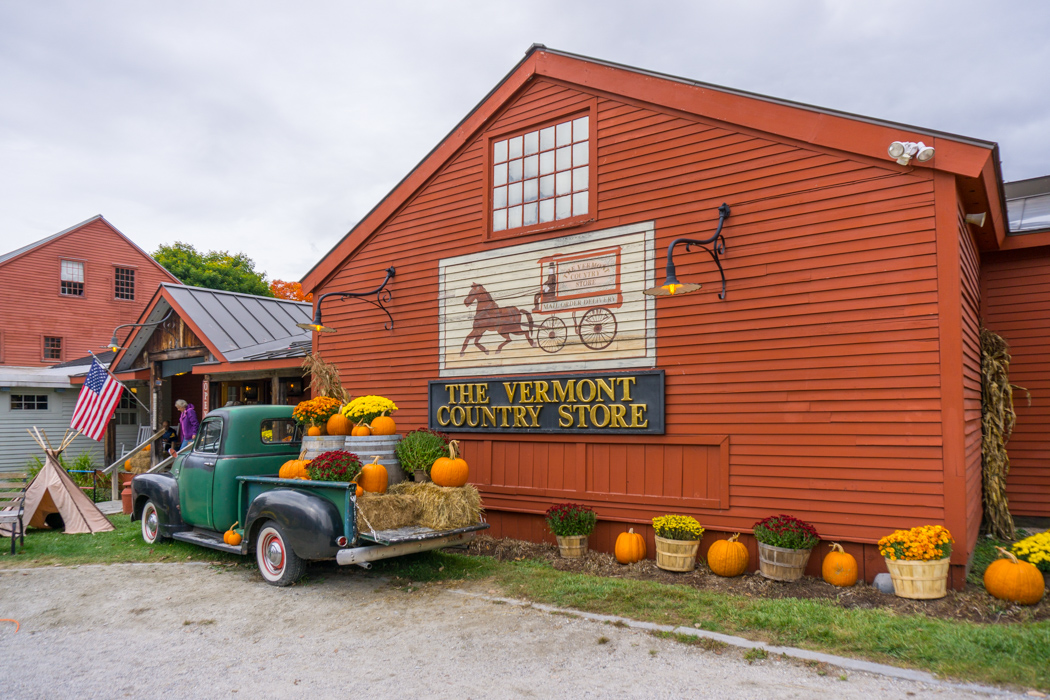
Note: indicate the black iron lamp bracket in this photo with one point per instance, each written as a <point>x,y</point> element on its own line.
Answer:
<point>113,340</point>
<point>381,293</point>
<point>716,250</point>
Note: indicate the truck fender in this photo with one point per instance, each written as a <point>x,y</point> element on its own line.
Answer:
<point>310,523</point>
<point>163,490</point>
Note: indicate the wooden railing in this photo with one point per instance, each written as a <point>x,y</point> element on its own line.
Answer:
<point>113,470</point>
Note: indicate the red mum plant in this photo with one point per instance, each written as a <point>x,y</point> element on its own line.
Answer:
<point>337,465</point>
<point>786,531</point>
<point>569,519</point>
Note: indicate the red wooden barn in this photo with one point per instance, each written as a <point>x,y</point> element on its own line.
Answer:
<point>838,380</point>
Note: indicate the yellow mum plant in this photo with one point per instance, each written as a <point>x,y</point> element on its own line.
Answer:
<point>366,408</point>
<point>925,543</point>
<point>1034,550</point>
<point>677,527</point>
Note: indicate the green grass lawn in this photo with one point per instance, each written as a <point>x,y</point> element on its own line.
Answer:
<point>1013,653</point>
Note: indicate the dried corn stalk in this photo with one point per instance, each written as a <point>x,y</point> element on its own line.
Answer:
<point>997,422</point>
<point>325,378</point>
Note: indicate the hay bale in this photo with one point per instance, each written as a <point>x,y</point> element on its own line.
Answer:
<point>387,511</point>
<point>138,463</point>
<point>440,507</point>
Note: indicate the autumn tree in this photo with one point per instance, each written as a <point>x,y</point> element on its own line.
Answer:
<point>216,269</point>
<point>289,290</point>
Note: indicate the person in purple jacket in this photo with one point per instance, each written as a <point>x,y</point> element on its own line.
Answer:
<point>188,422</point>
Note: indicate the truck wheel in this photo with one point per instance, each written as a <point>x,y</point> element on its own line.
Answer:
<point>278,564</point>
<point>151,524</point>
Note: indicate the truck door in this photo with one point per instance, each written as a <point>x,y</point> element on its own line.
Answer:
<point>198,473</point>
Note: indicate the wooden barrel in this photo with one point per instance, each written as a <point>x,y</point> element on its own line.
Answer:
<point>315,445</point>
<point>368,446</point>
<point>676,555</point>
<point>572,546</point>
<point>923,580</point>
<point>782,564</point>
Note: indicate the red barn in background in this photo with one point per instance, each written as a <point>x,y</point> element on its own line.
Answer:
<point>838,379</point>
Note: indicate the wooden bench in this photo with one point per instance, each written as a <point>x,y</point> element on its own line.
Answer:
<point>12,504</point>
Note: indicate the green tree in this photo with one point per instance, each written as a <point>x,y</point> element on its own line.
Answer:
<point>216,269</point>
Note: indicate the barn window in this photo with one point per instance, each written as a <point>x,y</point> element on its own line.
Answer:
<point>124,283</point>
<point>72,282</point>
<point>28,402</point>
<point>52,347</point>
<point>542,176</point>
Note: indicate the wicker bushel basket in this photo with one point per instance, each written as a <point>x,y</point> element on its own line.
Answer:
<point>923,580</point>
<point>782,564</point>
<point>572,546</point>
<point>676,555</point>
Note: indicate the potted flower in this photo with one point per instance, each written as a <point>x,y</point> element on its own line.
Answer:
<point>313,414</point>
<point>571,524</point>
<point>918,561</point>
<point>337,465</point>
<point>365,409</point>
<point>677,542</point>
<point>418,450</point>
<point>784,546</point>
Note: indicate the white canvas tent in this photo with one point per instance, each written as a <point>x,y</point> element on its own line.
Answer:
<point>52,491</point>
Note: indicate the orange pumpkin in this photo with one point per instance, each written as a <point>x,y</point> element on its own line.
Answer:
<point>383,425</point>
<point>359,490</point>
<point>127,466</point>
<point>452,470</point>
<point>338,425</point>
<point>231,536</point>
<point>728,557</point>
<point>294,468</point>
<point>839,567</point>
<point>1014,580</point>
<point>374,478</point>
<point>630,547</point>
<point>314,431</point>
<point>360,430</point>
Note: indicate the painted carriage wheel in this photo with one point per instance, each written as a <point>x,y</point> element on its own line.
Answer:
<point>597,328</point>
<point>552,334</point>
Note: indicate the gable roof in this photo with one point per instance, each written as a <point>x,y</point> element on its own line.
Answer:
<point>233,326</point>
<point>8,257</point>
<point>972,160</point>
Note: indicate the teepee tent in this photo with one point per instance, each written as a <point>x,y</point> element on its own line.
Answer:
<point>52,491</point>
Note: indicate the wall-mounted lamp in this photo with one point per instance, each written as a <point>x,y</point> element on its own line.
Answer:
<point>114,345</point>
<point>977,219</point>
<point>672,286</point>
<point>381,293</point>
<point>904,151</point>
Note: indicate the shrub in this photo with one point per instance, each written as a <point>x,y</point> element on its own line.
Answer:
<point>786,531</point>
<point>569,519</point>
<point>419,448</point>
<point>337,465</point>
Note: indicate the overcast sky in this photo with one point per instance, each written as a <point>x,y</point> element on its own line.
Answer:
<point>272,128</point>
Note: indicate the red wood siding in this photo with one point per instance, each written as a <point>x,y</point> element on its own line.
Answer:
<point>970,271</point>
<point>34,308</point>
<point>1016,305</point>
<point>821,367</point>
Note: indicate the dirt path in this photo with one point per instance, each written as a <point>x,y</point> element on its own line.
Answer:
<point>199,631</point>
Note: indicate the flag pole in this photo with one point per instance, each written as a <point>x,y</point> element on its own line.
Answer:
<point>144,406</point>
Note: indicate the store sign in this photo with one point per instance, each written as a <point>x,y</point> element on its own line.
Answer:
<point>623,403</point>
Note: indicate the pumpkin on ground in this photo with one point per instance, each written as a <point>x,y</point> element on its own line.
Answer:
<point>231,536</point>
<point>728,557</point>
<point>374,478</point>
<point>839,567</point>
<point>314,431</point>
<point>293,469</point>
<point>452,470</point>
<point>360,430</point>
<point>1011,579</point>
<point>630,547</point>
<point>338,425</point>
<point>383,425</point>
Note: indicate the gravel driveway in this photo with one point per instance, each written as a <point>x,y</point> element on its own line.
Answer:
<point>205,631</point>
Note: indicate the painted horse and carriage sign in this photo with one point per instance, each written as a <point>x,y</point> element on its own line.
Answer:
<point>561,304</point>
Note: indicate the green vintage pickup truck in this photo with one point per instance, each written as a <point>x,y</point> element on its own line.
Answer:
<point>229,475</point>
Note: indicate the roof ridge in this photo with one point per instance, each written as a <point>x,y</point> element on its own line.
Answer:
<point>239,294</point>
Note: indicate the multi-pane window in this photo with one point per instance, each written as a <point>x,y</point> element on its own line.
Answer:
<point>541,176</point>
<point>52,347</point>
<point>124,283</point>
<point>127,410</point>
<point>72,283</point>
<point>28,402</point>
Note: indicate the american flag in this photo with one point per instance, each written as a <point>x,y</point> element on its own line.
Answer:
<point>97,402</point>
